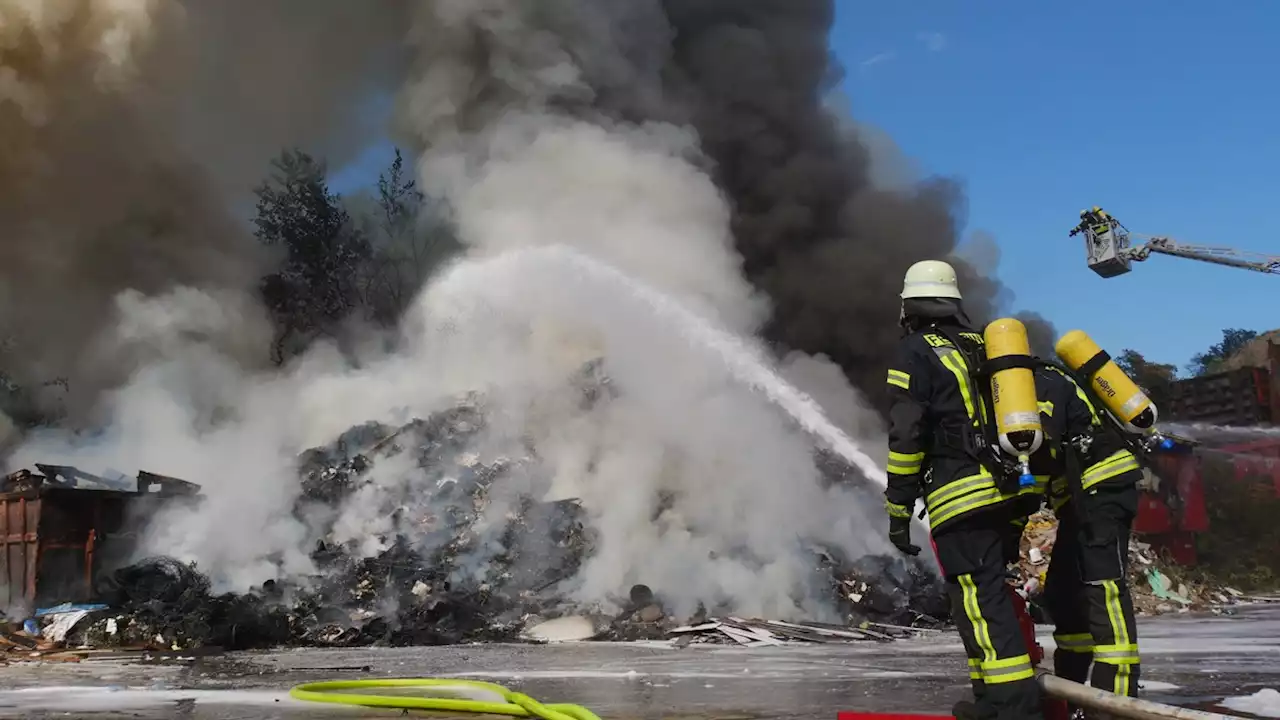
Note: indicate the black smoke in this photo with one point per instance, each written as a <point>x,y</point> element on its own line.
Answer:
<point>131,135</point>
<point>753,77</point>
<point>815,233</point>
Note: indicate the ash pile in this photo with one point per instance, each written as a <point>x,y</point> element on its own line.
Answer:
<point>459,561</point>
<point>462,555</point>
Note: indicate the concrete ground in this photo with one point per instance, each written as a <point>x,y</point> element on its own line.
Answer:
<point>1192,661</point>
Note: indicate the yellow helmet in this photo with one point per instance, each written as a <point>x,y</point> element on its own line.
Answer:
<point>930,278</point>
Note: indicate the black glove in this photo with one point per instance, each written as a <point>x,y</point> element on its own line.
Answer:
<point>900,535</point>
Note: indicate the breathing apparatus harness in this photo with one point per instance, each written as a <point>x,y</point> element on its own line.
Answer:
<point>978,439</point>
<point>1143,447</point>
<point>1109,428</point>
<point>1061,454</point>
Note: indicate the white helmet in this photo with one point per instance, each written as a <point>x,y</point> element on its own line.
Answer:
<point>930,279</point>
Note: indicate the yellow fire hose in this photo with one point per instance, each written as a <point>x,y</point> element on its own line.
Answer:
<point>517,704</point>
<point>514,704</point>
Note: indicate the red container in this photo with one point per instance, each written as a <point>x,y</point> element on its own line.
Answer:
<point>54,540</point>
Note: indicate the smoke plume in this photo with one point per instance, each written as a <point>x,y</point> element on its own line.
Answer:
<point>826,243</point>
<point>546,128</point>
<point>820,228</point>
<point>569,124</point>
<point>683,142</point>
<point>130,134</point>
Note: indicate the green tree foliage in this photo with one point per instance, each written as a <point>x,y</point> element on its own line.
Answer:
<point>1149,375</point>
<point>1208,362</point>
<point>360,258</point>
<point>317,284</point>
<point>409,242</point>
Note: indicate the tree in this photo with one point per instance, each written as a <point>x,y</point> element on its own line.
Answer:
<point>409,242</point>
<point>1208,362</point>
<point>317,285</point>
<point>1150,375</point>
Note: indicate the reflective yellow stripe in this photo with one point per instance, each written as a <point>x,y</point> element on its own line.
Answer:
<point>1080,393</point>
<point>969,503</point>
<point>905,463</point>
<point>975,669</point>
<point>1007,676</point>
<point>1124,653</point>
<point>973,611</point>
<point>1074,642</point>
<point>995,672</point>
<point>1116,654</point>
<point>1046,407</point>
<point>1093,412</point>
<point>1118,463</point>
<point>956,488</point>
<point>968,494</point>
<point>954,361</point>
<point>897,378</point>
<point>898,511</point>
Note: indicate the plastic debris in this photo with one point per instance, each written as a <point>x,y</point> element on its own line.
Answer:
<point>452,565</point>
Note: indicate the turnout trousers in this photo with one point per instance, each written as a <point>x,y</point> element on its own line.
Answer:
<point>972,553</point>
<point>1086,593</point>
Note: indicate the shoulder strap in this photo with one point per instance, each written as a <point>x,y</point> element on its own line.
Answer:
<point>968,366</point>
<point>973,365</point>
<point>1102,416</point>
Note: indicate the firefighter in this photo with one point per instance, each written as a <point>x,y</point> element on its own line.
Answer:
<point>1101,221</point>
<point>937,435</point>
<point>1095,497</point>
<point>1082,226</point>
<point>1095,221</point>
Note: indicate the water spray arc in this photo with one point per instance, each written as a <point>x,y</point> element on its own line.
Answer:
<point>745,363</point>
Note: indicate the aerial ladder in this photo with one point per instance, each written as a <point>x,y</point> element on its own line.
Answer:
<point>1108,246</point>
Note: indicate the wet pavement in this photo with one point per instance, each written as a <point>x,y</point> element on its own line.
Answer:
<point>1186,660</point>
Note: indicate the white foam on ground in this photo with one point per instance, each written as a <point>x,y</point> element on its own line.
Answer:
<point>1264,703</point>
<point>843,674</point>
<point>89,699</point>
<point>1156,685</point>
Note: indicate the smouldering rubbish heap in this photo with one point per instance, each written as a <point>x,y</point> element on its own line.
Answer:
<point>426,591</point>
<point>458,576</point>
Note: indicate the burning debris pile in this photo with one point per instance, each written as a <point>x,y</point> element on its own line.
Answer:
<point>465,552</point>
<point>168,605</point>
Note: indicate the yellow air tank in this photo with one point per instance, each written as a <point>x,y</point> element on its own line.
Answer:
<point>1013,393</point>
<point>1121,395</point>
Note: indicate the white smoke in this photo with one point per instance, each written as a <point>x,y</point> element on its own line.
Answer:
<point>740,481</point>
<point>696,485</point>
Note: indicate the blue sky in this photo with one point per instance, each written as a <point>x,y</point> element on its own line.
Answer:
<point>1162,111</point>
<point>1182,141</point>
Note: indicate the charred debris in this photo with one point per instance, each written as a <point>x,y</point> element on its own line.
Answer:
<point>452,567</point>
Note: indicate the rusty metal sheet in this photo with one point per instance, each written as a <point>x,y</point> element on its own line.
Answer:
<point>51,541</point>
<point>54,539</point>
<point>19,549</point>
